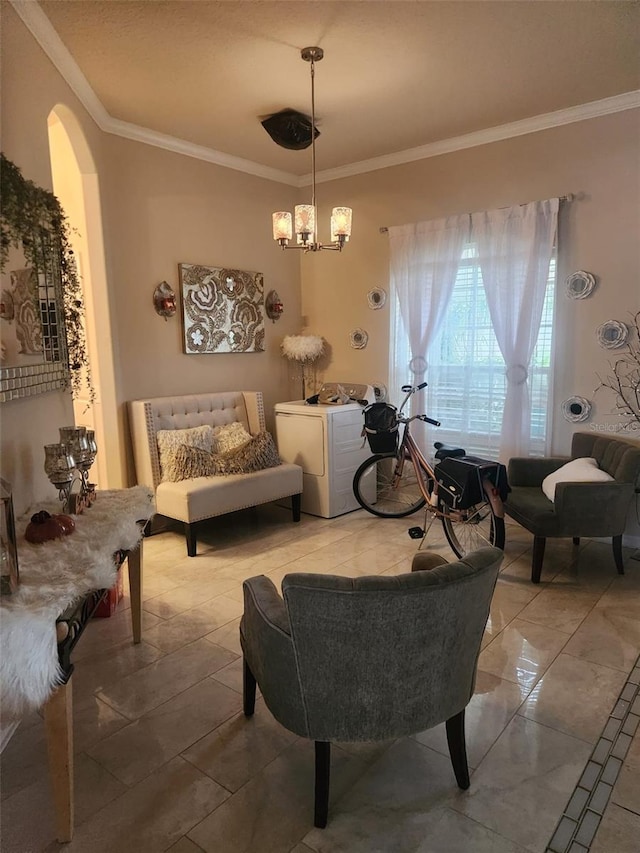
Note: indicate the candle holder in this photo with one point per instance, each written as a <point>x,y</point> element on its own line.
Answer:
<point>78,443</point>
<point>60,468</point>
<point>93,450</point>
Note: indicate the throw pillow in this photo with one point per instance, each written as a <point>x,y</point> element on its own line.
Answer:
<point>169,440</point>
<point>257,454</point>
<point>582,470</point>
<point>192,462</point>
<point>229,436</point>
<point>254,455</point>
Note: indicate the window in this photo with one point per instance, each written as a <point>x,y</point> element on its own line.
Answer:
<point>466,377</point>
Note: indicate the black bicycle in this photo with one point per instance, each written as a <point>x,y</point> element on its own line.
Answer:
<point>400,482</point>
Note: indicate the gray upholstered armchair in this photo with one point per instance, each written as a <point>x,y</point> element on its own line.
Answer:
<point>579,509</point>
<point>369,658</point>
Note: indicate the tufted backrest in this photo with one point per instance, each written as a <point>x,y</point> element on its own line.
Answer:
<point>146,417</point>
<point>382,656</point>
<point>616,456</point>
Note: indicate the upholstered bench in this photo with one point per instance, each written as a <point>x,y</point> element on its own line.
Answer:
<point>199,498</point>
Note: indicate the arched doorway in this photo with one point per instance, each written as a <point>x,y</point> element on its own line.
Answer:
<point>75,183</point>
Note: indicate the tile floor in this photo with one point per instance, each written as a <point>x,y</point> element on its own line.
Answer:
<point>165,759</point>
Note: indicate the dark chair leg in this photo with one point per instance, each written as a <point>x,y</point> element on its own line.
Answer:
<point>190,533</point>
<point>617,553</point>
<point>538,555</point>
<point>248,689</point>
<point>458,749</point>
<point>295,506</point>
<point>323,768</point>
<point>576,540</point>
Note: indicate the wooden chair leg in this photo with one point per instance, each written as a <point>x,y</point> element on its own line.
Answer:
<point>538,555</point>
<point>190,534</point>
<point>295,506</point>
<point>323,768</point>
<point>248,689</point>
<point>617,553</point>
<point>576,540</point>
<point>458,749</point>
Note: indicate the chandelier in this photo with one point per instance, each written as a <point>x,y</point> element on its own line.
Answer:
<point>305,214</point>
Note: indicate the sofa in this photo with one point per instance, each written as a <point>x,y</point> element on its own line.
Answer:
<point>594,509</point>
<point>199,498</point>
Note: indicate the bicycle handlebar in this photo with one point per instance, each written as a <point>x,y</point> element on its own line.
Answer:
<point>428,420</point>
<point>410,389</point>
<point>424,418</point>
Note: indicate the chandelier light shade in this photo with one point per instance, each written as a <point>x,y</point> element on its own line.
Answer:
<point>282,227</point>
<point>305,219</point>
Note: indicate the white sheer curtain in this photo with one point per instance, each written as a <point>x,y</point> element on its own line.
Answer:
<point>514,247</point>
<point>424,260</point>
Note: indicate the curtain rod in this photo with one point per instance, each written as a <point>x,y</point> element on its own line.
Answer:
<point>569,197</point>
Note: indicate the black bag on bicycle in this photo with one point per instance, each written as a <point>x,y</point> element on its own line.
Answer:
<point>460,480</point>
<point>381,427</point>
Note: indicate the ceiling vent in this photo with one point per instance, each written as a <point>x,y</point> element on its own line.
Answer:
<point>290,129</point>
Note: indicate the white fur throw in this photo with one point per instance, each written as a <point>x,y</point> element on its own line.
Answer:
<point>52,576</point>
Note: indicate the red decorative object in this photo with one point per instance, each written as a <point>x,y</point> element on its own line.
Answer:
<point>43,527</point>
<point>109,603</point>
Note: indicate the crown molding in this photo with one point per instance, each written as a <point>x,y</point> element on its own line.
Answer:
<point>582,112</point>
<point>199,152</point>
<point>44,33</point>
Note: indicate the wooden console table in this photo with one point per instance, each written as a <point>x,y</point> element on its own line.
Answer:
<point>107,535</point>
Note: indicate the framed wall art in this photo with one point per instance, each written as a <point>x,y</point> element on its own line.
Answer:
<point>222,309</point>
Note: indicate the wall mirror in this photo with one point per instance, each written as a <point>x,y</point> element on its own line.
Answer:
<point>33,337</point>
<point>32,340</point>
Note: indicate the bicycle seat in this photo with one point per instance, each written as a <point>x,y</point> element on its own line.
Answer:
<point>445,451</point>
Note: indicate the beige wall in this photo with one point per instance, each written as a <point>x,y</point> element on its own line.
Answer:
<point>597,159</point>
<point>162,209</point>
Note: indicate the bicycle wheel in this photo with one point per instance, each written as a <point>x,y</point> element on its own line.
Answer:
<point>381,492</point>
<point>469,529</point>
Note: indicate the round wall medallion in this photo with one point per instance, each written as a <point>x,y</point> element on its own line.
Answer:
<point>358,338</point>
<point>576,409</point>
<point>612,334</point>
<point>580,284</point>
<point>376,298</point>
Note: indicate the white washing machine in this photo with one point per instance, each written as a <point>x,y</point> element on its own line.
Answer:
<point>326,441</point>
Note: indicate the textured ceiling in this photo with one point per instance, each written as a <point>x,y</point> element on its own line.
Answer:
<point>396,75</point>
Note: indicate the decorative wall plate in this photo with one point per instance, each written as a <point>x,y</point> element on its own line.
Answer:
<point>580,284</point>
<point>358,338</point>
<point>576,409</point>
<point>376,298</point>
<point>612,334</point>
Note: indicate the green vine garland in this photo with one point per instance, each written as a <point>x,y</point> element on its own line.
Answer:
<point>28,211</point>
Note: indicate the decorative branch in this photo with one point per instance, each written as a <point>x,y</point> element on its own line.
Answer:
<point>625,379</point>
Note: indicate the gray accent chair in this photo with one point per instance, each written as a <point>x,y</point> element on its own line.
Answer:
<point>369,658</point>
<point>579,509</point>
